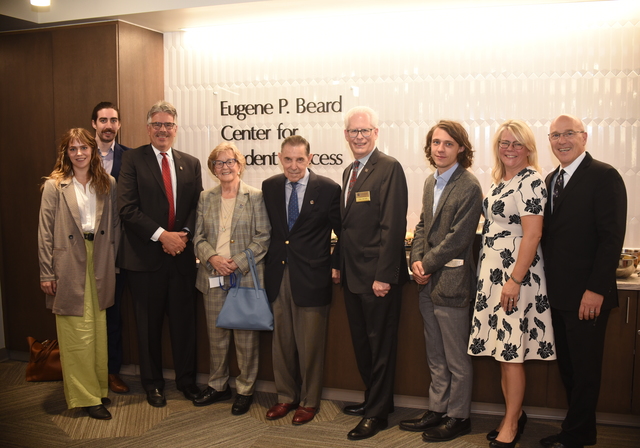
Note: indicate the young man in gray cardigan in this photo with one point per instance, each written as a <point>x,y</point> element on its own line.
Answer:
<point>443,267</point>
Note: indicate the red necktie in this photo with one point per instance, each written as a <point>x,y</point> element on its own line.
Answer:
<point>354,176</point>
<point>168,188</point>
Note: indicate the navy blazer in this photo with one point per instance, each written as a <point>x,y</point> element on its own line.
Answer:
<point>582,238</point>
<point>306,248</point>
<point>118,150</point>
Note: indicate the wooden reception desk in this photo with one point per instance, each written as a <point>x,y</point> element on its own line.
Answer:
<point>620,392</point>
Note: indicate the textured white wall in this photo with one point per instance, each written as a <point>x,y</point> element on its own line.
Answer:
<point>479,66</point>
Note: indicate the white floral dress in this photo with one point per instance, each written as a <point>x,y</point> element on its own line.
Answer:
<point>525,332</point>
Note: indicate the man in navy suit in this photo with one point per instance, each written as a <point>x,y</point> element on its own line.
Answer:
<point>584,226</point>
<point>158,193</point>
<point>105,119</point>
<point>303,208</point>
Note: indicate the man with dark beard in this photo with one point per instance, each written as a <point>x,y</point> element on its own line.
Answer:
<point>105,119</point>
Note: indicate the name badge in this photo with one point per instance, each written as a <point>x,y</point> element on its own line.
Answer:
<point>456,262</point>
<point>363,196</point>
<point>216,282</point>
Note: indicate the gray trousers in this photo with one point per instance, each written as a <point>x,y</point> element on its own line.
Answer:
<point>446,333</point>
<point>301,330</point>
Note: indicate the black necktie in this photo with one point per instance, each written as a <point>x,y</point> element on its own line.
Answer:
<point>558,186</point>
<point>293,211</point>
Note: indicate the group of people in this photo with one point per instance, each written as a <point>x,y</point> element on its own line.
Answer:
<point>545,282</point>
<point>524,301</point>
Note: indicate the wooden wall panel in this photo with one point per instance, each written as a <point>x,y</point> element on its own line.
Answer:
<point>28,153</point>
<point>141,80</point>
<point>84,73</point>
<point>51,80</point>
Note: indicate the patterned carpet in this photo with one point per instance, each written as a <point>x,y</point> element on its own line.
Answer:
<point>35,415</point>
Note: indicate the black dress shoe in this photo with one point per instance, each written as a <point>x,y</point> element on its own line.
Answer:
<point>106,401</point>
<point>563,445</point>
<point>191,392</point>
<point>210,396</point>
<point>550,440</point>
<point>522,421</point>
<point>449,429</point>
<point>242,404</point>
<point>558,441</point>
<point>358,409</point>
<point>428,420</point>
<point>98,412</point>
<point>354,409</point>
<point>155,398</point>
<point>368,427</point>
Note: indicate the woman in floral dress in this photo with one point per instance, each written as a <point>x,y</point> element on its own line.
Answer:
<point>512,318</point>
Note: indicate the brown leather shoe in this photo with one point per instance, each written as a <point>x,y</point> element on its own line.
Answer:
<point>279,410</point>
<point>117,385</point>
<point>303,415</point>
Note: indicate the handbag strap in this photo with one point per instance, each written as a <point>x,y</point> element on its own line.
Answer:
<point>252,268</point>
<point>47,348</point>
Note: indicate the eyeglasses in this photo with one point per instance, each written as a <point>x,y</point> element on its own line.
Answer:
<point>504,144</point>
<point>568,134</point>
<point>353,133</point>
<point>230,163</point>
<point>157,125</point>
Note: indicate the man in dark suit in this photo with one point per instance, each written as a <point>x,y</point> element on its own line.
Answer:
<point>443,267</point>
<point>105,119</point>
<point>158,192</point>
<point>373,265</point>
<point>584,226</point>
<point>298,276</point>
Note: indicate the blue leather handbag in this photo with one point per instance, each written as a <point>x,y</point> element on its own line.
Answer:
<point>246,308</point>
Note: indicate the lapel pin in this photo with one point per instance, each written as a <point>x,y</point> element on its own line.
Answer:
<point>180,168</point>
<point>311,202</point>
<point>366,170</point>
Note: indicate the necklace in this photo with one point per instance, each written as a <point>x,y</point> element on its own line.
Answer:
<point>227,213</point>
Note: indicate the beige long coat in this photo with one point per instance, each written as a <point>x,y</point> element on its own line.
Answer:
<point>62,252</point>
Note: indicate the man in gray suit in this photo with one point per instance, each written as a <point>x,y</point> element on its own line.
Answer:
<point>442,265</point>
<point>373,265</point>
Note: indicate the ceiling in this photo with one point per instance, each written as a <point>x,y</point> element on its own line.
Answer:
<point>163,16</point>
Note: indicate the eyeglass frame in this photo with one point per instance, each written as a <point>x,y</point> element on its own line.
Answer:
<point>568,134</point>
<point>229,162</point>
<point>158,125</point>
<point>369,132</point>
<point>516,145</point>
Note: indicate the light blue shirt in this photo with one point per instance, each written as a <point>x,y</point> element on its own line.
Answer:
<point>441,182</point>
<point>107,160</point>
<point>301,187</point>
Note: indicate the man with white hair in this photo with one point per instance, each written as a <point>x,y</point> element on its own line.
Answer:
<point>373,265</point>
